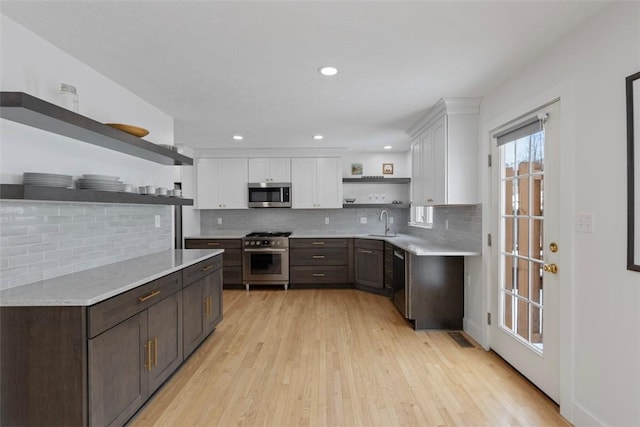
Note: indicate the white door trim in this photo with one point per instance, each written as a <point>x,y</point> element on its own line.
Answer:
<point>565,93</point>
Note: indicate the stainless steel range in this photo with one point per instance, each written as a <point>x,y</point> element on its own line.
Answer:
<point>266,258</point>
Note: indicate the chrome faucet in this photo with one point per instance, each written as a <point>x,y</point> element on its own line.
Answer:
<point>386,222</point>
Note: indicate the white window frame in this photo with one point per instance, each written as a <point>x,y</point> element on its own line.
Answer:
<point>421,217</point>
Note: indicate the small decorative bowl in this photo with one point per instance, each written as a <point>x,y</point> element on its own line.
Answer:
<point>350,199</point>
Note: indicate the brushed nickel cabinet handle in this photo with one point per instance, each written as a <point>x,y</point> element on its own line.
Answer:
<point>318,243</point>
<point>318,274</point>
<point>147,297</point>
<point>207,268</point>
<point>213,243</point>
<point>318,257</point>
<point>205,308</point>
<point>362,251</point>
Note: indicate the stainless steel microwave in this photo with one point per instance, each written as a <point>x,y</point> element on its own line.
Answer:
<point>269,195</point>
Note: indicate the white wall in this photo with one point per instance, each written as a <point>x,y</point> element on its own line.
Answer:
<point>600,299</point>
<point>33,65</point>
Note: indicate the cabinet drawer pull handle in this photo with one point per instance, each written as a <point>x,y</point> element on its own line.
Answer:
<point>318,257</point>
<point>147,350</point>
<point>205,308</point>
<point>318,243</point>
<point>210,304</point>
<point>207,268</point>
<point>155,351</point>
<point>362,251</point>
<point>213,243</point>
<point>147,297</point>
<point>318,274</point>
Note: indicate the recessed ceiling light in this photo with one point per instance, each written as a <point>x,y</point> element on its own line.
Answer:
<point>328,71</point>
<point>387,147</point>
<point>238,137</point>
<point>318,137</point>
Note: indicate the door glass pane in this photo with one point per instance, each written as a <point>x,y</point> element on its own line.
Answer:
<point>522,318</point>
<point>522,244</point>
<point>508,311</point>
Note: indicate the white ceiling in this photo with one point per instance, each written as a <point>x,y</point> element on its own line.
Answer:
<point>222,68</point>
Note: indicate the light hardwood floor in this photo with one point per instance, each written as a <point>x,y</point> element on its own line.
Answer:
<point>338,358</point>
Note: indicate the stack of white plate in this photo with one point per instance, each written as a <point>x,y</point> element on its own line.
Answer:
<point>100,183</point>
<point>47,179</point>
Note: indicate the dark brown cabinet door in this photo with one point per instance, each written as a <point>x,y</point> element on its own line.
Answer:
<point>118,383</point>
<point>165,339</point>
<point>194,303</point>
<point>213,300</point>
<point>369,267</point>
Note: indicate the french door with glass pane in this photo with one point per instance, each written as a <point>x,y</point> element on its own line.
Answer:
<point>526,215</point>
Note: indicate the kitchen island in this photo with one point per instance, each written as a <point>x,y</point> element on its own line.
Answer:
<point>90,348</point>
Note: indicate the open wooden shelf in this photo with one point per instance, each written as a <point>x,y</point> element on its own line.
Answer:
<point>31,111</point>
<point>378,180</point>
<point>35,192</point>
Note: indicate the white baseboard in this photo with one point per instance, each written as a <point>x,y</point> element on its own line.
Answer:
<point>474,330</point>
<point>583,418</point>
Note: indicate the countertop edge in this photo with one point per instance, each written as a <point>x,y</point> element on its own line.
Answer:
<point>399,241</point>
<point>85,302</point>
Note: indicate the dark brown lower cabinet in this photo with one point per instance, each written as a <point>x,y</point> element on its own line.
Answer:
<point>321,262</point>
<point>369,263</point>
<point>118,380</point>
<point>128,362</point>
<point>202,302</point>
<point>232,257</point>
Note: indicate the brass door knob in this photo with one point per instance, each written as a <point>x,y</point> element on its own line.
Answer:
<point>551,268</point>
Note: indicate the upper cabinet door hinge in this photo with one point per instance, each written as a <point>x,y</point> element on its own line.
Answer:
<point>488,318</point>
<point>489,239</point>
<point>489,160</point>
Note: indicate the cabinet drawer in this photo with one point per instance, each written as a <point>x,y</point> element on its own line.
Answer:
<point>376,245</point>
<point>201,269</point>
<point>232,275</point>
<point>319,256</point>
<point>311,274</point>
<point>232,257</point>
<point>318,243</point>
<point>109,313</point>
<point>213,243</point>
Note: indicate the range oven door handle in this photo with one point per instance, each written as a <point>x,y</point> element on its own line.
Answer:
<point>266,250</point>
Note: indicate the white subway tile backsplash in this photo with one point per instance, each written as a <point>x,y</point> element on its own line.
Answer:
<point>18,261</point>
<point>43,247</point>
<point>43,229</point>
<point>13,230</point>
<point>41,240</point>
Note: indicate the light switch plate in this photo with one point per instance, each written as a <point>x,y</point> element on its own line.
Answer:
<point>157,221</point>
<point>326,220</point>
<point>363,220</point>
<point>219,221</point>
<point>584,223</point>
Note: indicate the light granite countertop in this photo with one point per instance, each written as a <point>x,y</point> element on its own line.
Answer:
<point>91,286</point>
<point>411,244</point>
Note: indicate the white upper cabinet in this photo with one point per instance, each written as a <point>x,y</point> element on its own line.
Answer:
<point>221,183</point>
<point>316,183</point>
<point>277,169</point>
<point>444,153</point>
